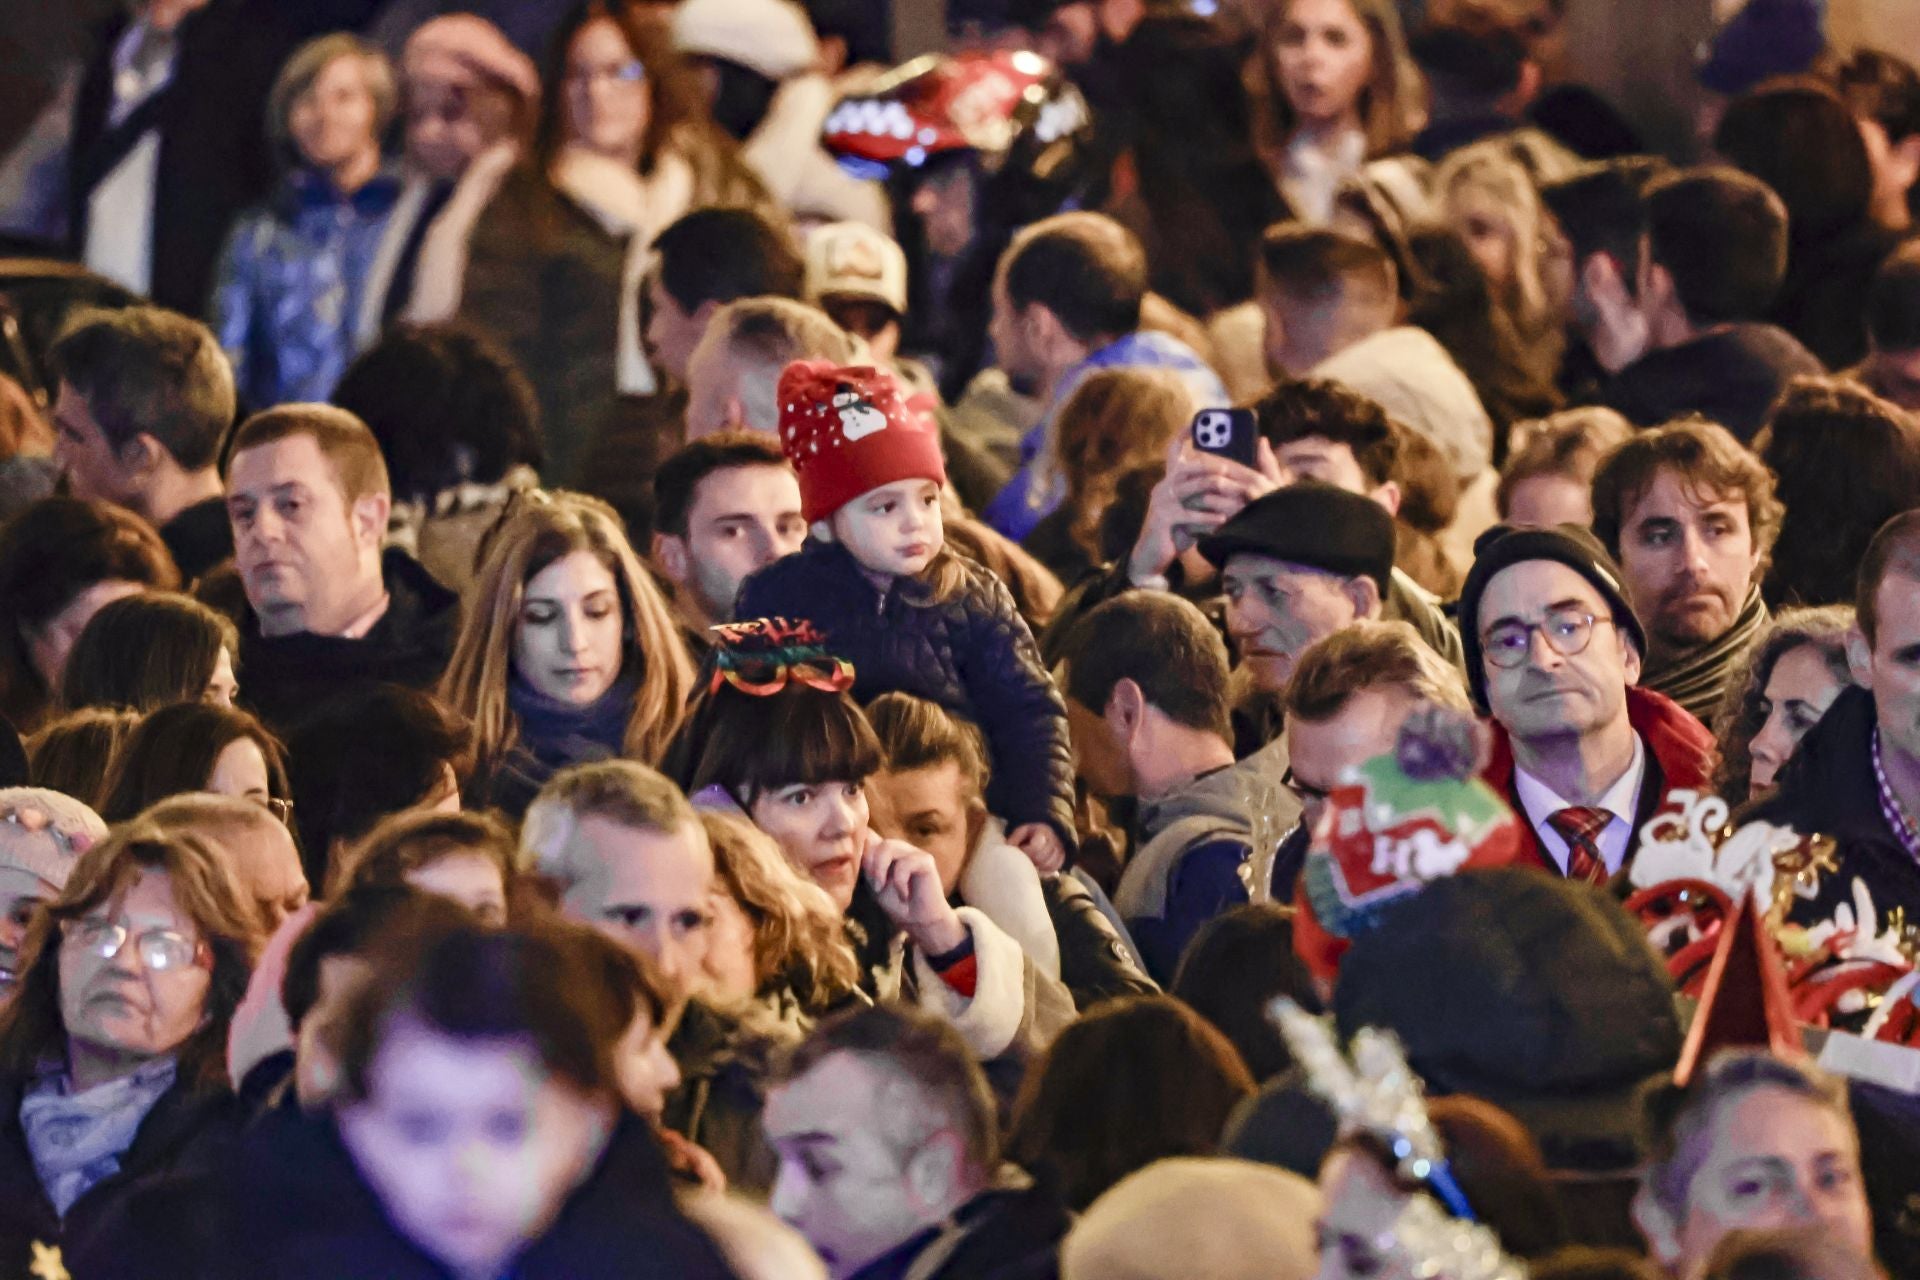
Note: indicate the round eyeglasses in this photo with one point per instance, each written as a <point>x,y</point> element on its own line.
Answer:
<point>1567,632</point>
<point>159,949</point>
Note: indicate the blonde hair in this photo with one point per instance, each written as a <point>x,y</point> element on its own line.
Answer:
<point>1494,168</point>
<point>304,67</point>
<point>537,529</point>
<point>798,937</point>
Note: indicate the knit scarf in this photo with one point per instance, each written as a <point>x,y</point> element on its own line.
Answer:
<point>77,1139</point>
<point>1695,678</point>
<point>562,733</point>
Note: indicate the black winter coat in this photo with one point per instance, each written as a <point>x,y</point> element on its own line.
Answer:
<point>1011,1234</point>
<point>186,1135</point>
<point>1828,788</point>
<point>292,1206</point>
<point>1095,964</point>
<point>291,677</point>
<point>973,655</point>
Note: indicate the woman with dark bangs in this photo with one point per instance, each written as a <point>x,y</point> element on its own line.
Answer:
<point>785,746</point>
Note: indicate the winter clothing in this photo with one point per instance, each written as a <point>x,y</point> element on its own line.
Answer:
<point>552,735</point>
<point>1697,677</point>
<point>290,677</point>
<point>1410,375</point>
<point>1098,958</point>
<point>1311,524</point>
<point>1036,488</point>
<point>182,1132</point>
<point>200,538</point>
<point>291,1205</point>
<point>1679,756</point>
<point>726,1058</point>
<point>848,431</point>
<point>1731,375</point>
<point>43,833</point>
<point>290,286</point>
<point>443,533</point>
<point>972,654</point>
<point>1504,546</point>
<point>1829,788</point>
<point>1538,995</point>
<point>1007,1233</point>
<point>1185,866</point>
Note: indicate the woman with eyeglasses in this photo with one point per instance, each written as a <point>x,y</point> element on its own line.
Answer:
<point>197,746</point>
<point>569,653</point>
<point>623,147</point>
<point>113,1050</point>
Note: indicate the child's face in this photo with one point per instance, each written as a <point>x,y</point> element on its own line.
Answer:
<point>894,529</point>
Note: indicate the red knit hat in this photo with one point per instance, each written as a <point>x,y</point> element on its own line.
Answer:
<point>847,431</point>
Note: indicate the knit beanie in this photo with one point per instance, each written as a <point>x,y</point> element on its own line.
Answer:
<point>1504,546</point>
<point>43,833</point>
<point>1767,38</point>
<point>771,37</point>
<point>847,431</point>
<point>1416,814</point>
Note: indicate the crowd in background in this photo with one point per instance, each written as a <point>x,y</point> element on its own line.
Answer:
<point>1187,642</point>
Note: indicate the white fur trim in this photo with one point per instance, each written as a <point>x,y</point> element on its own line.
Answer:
<point>1002,882</point>
<point>991,1019</point>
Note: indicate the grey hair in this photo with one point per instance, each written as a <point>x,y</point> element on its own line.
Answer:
<point>304,67</point>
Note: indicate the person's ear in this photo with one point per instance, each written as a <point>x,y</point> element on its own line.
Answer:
<point>1604,281</point>
<point>669,554</point>
<point>1126,709</point>
<point>822,530</point>
<point>1528,89</point>
<point>369,515</point>
<point>933,1172</point>
<point>1859,657</point>
<point>1658,1229</point>
<point>735,414</point>
<point>1904,159</point>
<point>140,457</point>
<point>1364,593</point>
<point>976,822</point>
<point>1630,660</point>
<point>1045,333</point>
<point>1388,496</point>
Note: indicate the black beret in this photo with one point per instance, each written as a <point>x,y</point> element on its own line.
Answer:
<point>1311,524</point>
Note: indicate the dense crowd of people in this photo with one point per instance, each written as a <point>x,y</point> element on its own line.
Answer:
<point>1189,642</point>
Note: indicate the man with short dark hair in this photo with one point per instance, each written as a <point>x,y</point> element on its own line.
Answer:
<point>328,611</point>
<point>146,397</point>
<point>1690,516</point>
<point>724,507</point>
<point>1883,92</point>
<point>1554,652</point>
<point>1892,366</point>
<point>1856,774</point>
<point>888,1141</point>
<point>706,259</point>
<point>1714,256</point>
<point>1148,703</point>
<point>1066,302</point>
<point>1330,303</point>
<point>1602,212</point>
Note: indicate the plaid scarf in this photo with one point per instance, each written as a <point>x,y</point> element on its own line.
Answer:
<point>1696,678</point>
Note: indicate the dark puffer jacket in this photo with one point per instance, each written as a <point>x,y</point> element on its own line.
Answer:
<point>973,655</point>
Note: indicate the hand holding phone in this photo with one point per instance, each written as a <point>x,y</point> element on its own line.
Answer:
<point>1228,433</point>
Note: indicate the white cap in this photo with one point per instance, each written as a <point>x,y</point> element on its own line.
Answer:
<point>772,37</point>
<point>852,260</point>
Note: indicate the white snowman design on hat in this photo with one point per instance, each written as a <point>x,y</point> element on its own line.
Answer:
<point>858,418</point>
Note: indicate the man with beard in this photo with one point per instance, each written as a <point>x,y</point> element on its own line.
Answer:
<point>1690,516</point>
<point>1554,653</point>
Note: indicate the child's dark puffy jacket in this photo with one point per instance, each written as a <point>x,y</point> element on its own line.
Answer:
<point>973,655</point>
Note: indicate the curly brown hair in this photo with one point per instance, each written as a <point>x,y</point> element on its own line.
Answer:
<point>1740,715</point>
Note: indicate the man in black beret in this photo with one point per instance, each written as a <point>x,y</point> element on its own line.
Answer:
<point>1296,566</point>
<point>1554,654</point>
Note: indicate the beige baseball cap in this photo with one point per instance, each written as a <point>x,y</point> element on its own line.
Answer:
<point>852,260</point>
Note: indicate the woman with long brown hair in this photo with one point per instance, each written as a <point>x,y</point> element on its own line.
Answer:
<point>1342,90</point>
<point>569,653</point>
<point>623,147</point>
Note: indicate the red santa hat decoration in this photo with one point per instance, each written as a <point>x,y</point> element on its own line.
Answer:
<point>847,431</point>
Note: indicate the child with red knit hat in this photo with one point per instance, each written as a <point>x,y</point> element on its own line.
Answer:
<point>878,580</point>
